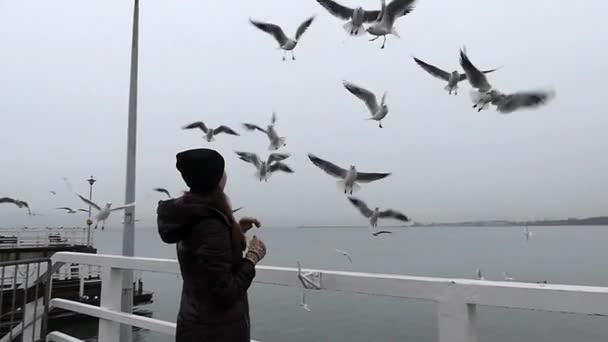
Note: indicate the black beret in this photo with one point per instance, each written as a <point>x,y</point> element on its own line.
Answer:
<point>202,169</point>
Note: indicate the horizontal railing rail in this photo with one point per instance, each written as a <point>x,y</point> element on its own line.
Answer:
<point>457,299</point>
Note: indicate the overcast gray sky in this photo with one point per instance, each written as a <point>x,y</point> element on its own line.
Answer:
<point>64,85</point>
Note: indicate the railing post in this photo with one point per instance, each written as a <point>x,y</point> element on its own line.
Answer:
<point>111,294</point>
<point>457,322</point>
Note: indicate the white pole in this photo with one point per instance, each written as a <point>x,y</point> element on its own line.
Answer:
<point>128,240</point>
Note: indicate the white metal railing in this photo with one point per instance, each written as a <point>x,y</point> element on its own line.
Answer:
<point>457,299</point>
<point>45,237</point>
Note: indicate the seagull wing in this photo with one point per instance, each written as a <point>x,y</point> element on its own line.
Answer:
<point>524,100</point>
<point>64,208</point>
<point>198,124</point>
<point>476,78</point>
<point>363,208</point>
<point>303,27</point>
<point>329,168</point>
<point>277,157</point>
<point>398,8</point>
<point>433,70</point>
<point>381,232</point>
<point>464,76</point>
<point>224,129</point>
<point>280,167</point>
<point>337,10</point>
<point>84,210</point>
<point>7,200</point>
<point>366,177</point>
<point>124,207</point>
<point>237,209</point>
<point>249,158</point>
<point>394,215</point>
<point>89,202</point>
<point>251,127</point>
<point>272,29</point>
<point>163,190</point>
<point>364,95</point>
<point>273,118</point>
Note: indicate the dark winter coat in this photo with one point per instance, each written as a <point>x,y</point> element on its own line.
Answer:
<point>214,303</point>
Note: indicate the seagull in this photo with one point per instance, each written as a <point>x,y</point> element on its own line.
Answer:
<point>507,277</point>
<point>163,191</point>
<point>104,213</point>
<point>345,253</point>
<point>480,274</point>
<point>355,16</point>
<point>527,233</point>
<point>53,192</point>
<point>452,78</point>
<point>380,232</point>
<point>285,43</point>
<point>19,203</point>
<point>348,178</point>
<point>303,303</point>
<point>72,211</point>
<point>383,25</point>
<point>237,209</point>
<point>210,133</point>
<point>276,141</point>
<point>375,214</point>
<point>267,167</point>
<point>378,111</point>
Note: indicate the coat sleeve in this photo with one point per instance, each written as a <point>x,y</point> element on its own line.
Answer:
<point>226,283</point>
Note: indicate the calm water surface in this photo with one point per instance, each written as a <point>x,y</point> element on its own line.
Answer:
<point>566,255</point>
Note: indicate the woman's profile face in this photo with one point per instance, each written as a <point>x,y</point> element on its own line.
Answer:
<point>223,181</point>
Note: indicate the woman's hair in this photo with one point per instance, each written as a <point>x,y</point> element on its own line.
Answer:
<point>219,200</point>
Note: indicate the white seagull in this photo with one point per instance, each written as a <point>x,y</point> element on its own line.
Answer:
<point>267,167</point>
<point>209,132</point>
<point>480,274</point>
<point>103,213</point>
<point>384,24</point>
<point>374,215</point>
<point>345,253</point>
<point>72,211</point>
<point>507,277</point>
<point>285,43</point>
<point>348,178</point>
<point>19,203</point>
<point>452,78</point>
<point>527,233</point>
<point>303,303</point>
<point>378,111</point>
<point>163,191</point>
<point>276,141</point>
<point>356,16</point>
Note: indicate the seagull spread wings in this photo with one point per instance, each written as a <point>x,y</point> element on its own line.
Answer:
<point>249,158</point>
<point>272,29</point>
<point>163,190</point>
<point>278,166</point>
<point>394,215</point>
<point>198,124</point>
<point>303,27</point>
<point>363,208</point>
<point>433,70</point>
<point>366,177</point>
<point>476,78</point>
<point>124,207</point>
<point>345,13</point>
<point>364,95</point>
<point>89,202</point>
<point>224,129</point>
<point>329,168</point>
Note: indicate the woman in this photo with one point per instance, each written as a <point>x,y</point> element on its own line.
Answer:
<point>210,247</point>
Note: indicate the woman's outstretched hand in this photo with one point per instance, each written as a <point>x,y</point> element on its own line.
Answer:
<point>256,250</point>
<point>247,223</point>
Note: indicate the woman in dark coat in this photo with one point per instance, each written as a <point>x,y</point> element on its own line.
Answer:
<point>210,245</point>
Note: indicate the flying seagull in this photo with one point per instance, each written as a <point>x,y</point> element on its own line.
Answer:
<point>303,303</point>
<point>163,191</point>
<point>53,192</point>
<point>276,141</point>
<point>345,253</point>
<point>348,178</point>
<point>285,43</point>
<point>72,211</point>
<point>19,203</point>
<point>384,24</point>
<point>508,103</point>
<point>480,274</point>
<point>266,168</point>
<point>237,209</point>
<point>378,111</point>
<point>103,213</point>
<point>507,277</point>
<point>452,78</point>
<point>355,16</point>
<point>209,132</point>
<point>374,215</point>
